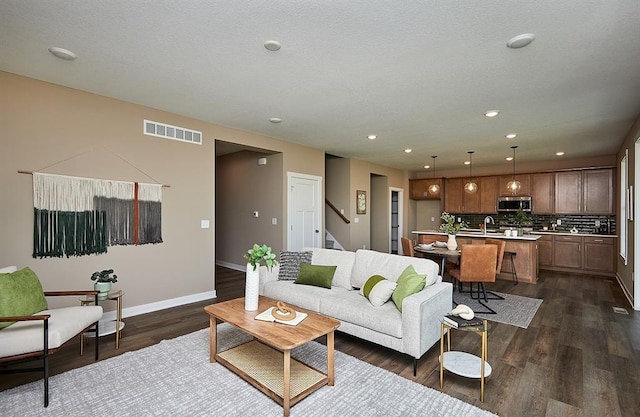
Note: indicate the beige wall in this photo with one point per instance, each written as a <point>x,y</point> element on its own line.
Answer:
<point>625,272</point>
<point>240,191</point>
<point>380,211</point>
<point>44,124</point>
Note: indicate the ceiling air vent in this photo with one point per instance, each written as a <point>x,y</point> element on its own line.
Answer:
<point>162,130</point>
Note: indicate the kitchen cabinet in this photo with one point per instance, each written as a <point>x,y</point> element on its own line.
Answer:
<point>453,195</point>
<point>488,189</point>
<point>575,253</point>
<point>542,192</point>
<point>568,194</point>
<point>419,189</point>
<point>584,192</point>
<point>599,254</point>
<point>525,184</point>
<point>545,250</point>
<point>597,191</point>
<point>567,251</point>
<point>456,200</point>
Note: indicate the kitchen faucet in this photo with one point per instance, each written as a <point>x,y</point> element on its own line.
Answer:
<point>486,221</point>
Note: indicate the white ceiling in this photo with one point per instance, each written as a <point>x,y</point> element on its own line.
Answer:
<point>419,74</point>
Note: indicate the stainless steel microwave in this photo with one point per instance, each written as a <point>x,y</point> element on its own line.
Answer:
<point>509,204</point>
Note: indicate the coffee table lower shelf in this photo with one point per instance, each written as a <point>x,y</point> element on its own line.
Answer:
<point>262,366</point>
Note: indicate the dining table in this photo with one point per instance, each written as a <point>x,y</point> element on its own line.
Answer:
<point>439,253</point>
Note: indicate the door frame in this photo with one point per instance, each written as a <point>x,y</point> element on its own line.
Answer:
<point>319,239</point>
<point>400,192</point>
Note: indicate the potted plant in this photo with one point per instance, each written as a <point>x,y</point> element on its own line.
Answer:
<point>255,256</point>
<point>521,219</point>
<point>451,228</point>
<point>103,280</point>
<point>259,253</point>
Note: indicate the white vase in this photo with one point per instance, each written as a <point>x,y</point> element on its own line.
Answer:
<point>252,286</point>
<point>451,242</point>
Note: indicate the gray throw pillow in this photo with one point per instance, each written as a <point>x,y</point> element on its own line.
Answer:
<point>290,264</point>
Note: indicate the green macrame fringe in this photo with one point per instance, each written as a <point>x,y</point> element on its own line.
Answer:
<point>64,233</point>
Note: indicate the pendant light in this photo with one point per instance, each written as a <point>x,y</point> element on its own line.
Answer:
<point>514,186</point>
<point>434,188</point>
<point>470,187</point>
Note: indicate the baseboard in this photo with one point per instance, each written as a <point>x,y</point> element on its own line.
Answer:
<point>235,267</point>
<point>160,305</point>
<point>625,291</point>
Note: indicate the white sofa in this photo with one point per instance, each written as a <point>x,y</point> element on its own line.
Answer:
<point>412,332</point>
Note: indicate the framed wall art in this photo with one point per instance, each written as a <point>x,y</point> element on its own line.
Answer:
<point>361,202</point>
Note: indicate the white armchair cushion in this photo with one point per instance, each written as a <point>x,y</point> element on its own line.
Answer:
<point>8,269</point>
<point>64,323</point>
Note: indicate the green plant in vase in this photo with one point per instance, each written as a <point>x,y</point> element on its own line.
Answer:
<point>449,225</point>
<point>521,219</point>
<point>259,253</point>
<point>103,280</point>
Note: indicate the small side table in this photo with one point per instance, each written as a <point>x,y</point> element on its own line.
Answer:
<point>110,326</point>
<point>463,363</point>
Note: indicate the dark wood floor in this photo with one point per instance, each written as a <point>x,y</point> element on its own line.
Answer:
<point>577,358</point>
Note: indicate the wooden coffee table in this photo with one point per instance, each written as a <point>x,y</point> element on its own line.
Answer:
<point>265,362</point>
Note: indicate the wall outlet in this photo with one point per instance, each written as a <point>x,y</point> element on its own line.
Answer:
<point>433,219</point>
<point>597,223</point>
<point>459,219</point>
<point>204,224</point>
<point>559,222</point>
<point>356,220</point>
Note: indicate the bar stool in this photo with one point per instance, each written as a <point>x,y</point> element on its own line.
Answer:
<point>514,274</point>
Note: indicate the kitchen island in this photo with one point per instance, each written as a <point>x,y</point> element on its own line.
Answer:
<point>525,247</point>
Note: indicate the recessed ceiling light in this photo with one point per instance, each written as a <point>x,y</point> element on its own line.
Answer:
<point>408,150</point>
<point>521,41</point>
<point>275,120</point>
<point>559,153</point>
<point>467,162</point>
<point>510,136</point>
<point>372,137</point>
<point>63,53</point>
<point>272,45</point>
<point>492,113</point>
<point>509,158</point>
<point>427,166</point>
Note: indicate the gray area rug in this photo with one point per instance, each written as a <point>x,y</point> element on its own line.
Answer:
<point>175,378</point>
<point>514,309</point>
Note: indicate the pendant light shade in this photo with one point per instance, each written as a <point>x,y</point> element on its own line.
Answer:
<point>470,187</point>
<point>513,186</point>
<point>434,188</point>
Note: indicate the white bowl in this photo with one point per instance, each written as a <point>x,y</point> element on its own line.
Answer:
<point>439,244</point>
<point>426,246</point>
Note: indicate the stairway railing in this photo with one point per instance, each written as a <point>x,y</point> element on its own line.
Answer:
<point>335,209</point>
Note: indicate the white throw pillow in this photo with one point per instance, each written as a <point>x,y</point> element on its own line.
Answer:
<point>378,290</point>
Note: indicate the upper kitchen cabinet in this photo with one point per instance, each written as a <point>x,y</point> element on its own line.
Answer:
<point>525,184</point>
<point>584,192</point>
<point>597,191</point>
<point>568,195</point>
<point>419,189</point>
<point>542,192</point>
<point>453,195</point>
<point>488,189</point>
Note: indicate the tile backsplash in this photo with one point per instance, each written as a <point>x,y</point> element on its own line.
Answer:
<point>583,223</point>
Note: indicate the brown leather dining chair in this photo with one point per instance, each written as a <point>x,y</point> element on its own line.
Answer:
<point>407,246</point>
<point>478,265</point>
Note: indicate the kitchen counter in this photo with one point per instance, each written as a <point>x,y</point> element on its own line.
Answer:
<point>479,234</point>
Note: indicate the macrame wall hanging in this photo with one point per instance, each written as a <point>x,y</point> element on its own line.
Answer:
<point>76,216</point>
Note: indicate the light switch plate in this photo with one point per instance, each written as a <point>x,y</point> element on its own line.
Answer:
<point>204,224</point>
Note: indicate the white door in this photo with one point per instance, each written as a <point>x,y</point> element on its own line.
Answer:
<point>304,211</point>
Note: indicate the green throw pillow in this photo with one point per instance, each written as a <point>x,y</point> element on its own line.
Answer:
<point>409,282</point>
<point>20,294</point>
<point>318,275</point>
